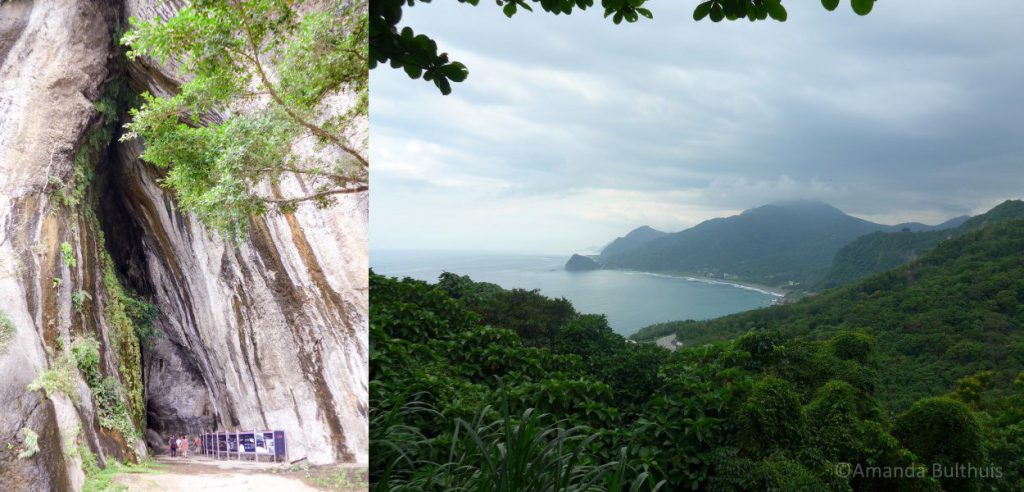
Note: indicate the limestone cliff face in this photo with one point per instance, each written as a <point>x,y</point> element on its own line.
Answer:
<point>271,333</point>
<point>268,333</point>
<point>54,61</point>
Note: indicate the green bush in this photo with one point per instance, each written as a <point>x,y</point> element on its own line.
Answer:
<point>68,255</point>
<point>60,377</point>
<point>853,346</point>
<point>771,418</point>
<point>86,351</point>
<point>112,410</point>
<point>78,299</point>
<point>7,330</point>
<point>31,444</point>
<point>942,431</point>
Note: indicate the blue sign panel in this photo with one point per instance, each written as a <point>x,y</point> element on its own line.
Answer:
<point>279,443</point>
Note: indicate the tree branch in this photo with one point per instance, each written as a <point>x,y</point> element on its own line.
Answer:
<point>295,170</point>
<point>321,194</point>
<point>318,131</point>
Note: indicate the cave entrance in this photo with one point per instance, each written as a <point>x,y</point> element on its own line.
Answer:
<point>175,388</point>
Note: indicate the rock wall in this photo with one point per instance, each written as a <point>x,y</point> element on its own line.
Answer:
<point>54,61</point>
<point>267,334</point>
<point>270,333</point>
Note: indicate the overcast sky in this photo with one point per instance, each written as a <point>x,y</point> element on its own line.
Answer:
<point>571,131</point>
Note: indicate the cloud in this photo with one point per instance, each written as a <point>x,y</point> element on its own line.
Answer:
<point>571,130</point>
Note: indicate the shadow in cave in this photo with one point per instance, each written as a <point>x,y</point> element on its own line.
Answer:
<point>176,395</point>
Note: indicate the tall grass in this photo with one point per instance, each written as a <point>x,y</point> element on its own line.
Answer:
<point>503,453</point>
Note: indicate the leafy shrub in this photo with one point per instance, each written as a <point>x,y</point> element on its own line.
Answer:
<point>31,444</point>
<point>86,351</point>
<point>761,345</point>
<point>143,315</point>
<point>771,418</point>
<point>78,299</point>
<point>68,255</point>
<point>852,346</point>
<point>781,473</point>
<point>60,377</point>
<point>942,431</point>
<point>7,330</point>
<point>111,408</point>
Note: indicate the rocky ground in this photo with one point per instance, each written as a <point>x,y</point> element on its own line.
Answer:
<point>203,474</point>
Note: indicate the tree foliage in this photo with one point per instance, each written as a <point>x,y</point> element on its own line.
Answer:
<point>458,400</point>
<point>949,315</point>
<point>259,76</point>
<point>874,374</point>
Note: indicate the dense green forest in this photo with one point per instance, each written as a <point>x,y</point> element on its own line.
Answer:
<point>880,251</point>
<point>953,313</point>
<point>474,387</point>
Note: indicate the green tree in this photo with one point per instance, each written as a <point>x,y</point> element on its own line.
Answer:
<point>943,432</point>
<point>417,54</point>
<point>853,346</point>
<point>259,73</point>
<point>771,418</point>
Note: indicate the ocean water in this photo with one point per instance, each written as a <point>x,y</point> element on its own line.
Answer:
<point>631,300</point>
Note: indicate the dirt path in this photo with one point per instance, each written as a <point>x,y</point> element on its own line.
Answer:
<point>202,474</point>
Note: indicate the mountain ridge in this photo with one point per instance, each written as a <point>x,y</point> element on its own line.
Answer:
<point>882,250</point>
<point>635,238</point>
<point>783,243</point>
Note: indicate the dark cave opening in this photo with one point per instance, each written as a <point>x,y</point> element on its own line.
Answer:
<point>123,235</point>
<point>175,391</point>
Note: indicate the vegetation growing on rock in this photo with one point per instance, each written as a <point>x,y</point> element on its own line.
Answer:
<point>68,255</point>
<point>31,446</point>
<point>7,330</point>
<point>60,377</point>
<point>126,341</point>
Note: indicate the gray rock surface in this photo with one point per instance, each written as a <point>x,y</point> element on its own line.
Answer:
<point>268,334</point>
<point>54,60</point>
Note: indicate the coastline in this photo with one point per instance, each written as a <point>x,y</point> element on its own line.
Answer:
<point>693,277</point>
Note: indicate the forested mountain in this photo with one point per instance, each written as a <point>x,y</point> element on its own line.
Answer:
<point>880,251</point>
<point>771,244</point>
<point>780,244</point>
<point>916,368</point>
<point>953,313</point>
<point>636,238</point>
